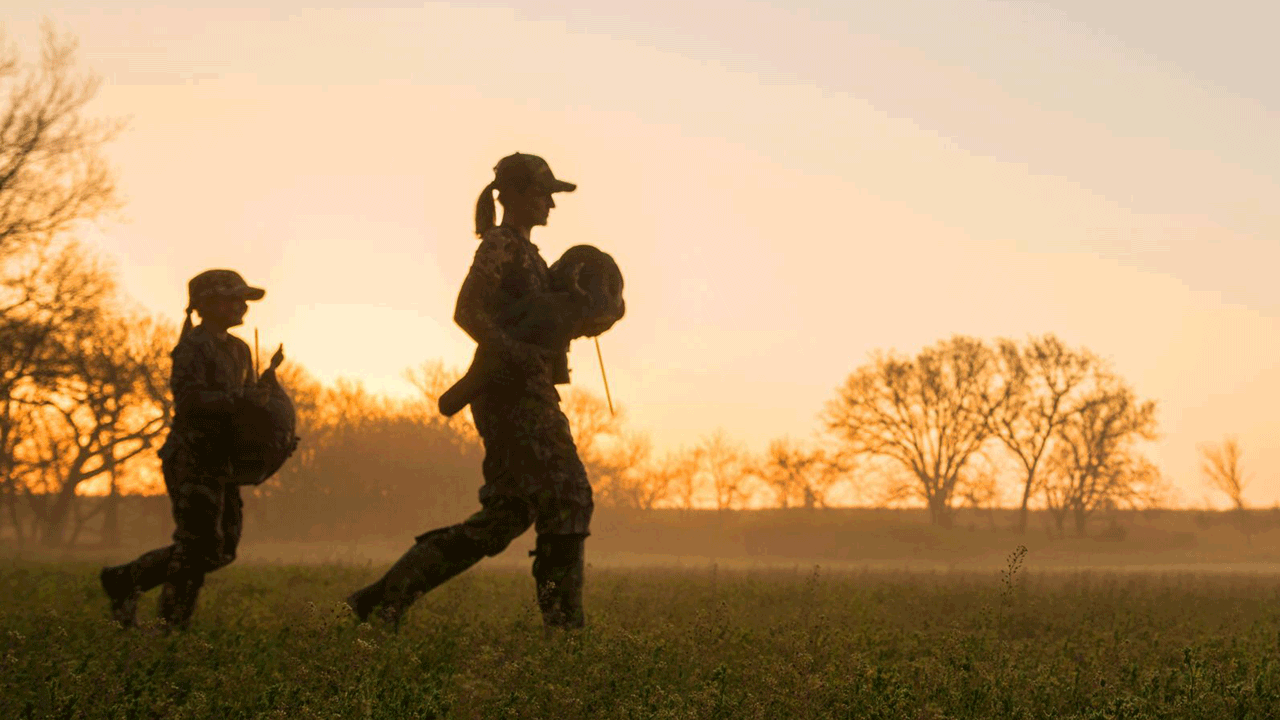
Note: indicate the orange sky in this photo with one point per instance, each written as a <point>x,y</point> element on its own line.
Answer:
<point>786,190</point>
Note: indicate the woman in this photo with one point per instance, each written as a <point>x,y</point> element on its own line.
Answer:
<point>532,473</point>
<point>212,382</point>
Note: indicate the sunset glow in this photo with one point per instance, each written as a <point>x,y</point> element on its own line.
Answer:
<point>786,191</point>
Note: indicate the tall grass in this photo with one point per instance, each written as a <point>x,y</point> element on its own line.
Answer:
<point>274,641</point>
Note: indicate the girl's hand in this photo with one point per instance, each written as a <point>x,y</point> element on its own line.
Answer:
<point>259,395</point>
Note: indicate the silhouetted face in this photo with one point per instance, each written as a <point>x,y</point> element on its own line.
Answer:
<point>526,208</point>
<point>223,312</point>
<point>540,208</point>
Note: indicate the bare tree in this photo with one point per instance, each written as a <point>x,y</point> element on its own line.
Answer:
<point>799,475</point>
<point>625,475</point>
<point>99,414</point>
<point>592,424</point>
<point>979,486</point>
<point>52,174</point>
<point>1039,380</point>
<point>1222,470</point>
<point>150,342</point>
<point>685,477</point>
<point>656,482</point>
<point>1093,462</point>
<point>51,293</point>
<point>431,379</point>
<point>783,468</point>
<point>928,414</point>
<point>727,470</point>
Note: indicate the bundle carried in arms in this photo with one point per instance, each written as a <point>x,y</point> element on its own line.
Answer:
<point>265,434</point>
<point>585,300</point>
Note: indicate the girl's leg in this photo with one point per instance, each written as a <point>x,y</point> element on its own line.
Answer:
<point>200,499</point>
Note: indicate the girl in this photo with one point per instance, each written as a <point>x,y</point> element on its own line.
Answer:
<point>212,382</point>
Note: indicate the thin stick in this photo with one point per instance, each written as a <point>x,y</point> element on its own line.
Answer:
<point>602,375</point>
<point>255,351</point>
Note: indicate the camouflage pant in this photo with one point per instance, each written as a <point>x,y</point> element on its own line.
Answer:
<point>532,474</point>
<point>208,513</point>
<point>533,477</point>
<point>530,456</point>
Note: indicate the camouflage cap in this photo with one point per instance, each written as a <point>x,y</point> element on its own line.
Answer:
<point>522,171</point>
<point>221,283</point>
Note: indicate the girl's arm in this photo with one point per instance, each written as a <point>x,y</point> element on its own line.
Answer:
<point>195,393</point>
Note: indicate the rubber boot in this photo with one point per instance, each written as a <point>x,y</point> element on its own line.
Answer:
<point>558,572</point>
<point>424,567</point>
<point>571,584</point>
<point>117,582</point>
<point>363,601</point>
<point>124,584</point>
<point>178,599</point>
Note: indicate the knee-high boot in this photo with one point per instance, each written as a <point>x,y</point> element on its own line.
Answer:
<point>124,584</point>
<point>558,570</point>
<point>424,567</point>
<point>178,598</point>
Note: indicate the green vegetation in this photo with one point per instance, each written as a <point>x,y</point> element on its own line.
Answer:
<point>273,641</point>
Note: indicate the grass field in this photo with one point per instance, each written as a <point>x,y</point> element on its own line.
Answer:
<point>710,642</point>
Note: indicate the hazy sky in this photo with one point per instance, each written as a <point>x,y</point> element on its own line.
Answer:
<point>786,188</point>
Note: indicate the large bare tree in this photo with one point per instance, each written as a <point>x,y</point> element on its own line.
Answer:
<point>928,414</point>
<point>104,409</point>
<point>52,177</point>
<point>1040,379</point>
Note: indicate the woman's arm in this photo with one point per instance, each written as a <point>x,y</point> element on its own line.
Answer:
<point>481,299</point>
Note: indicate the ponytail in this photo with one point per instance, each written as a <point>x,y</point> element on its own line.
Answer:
<point>484,210</point>
<point>186,328</point>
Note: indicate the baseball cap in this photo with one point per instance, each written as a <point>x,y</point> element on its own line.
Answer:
<point>520,171</point>
<point>221,283</point>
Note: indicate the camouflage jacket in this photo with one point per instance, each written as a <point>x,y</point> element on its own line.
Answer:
<point>507,269</point>
<point>209,379</point>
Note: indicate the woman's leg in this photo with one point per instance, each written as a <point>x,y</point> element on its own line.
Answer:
<point>442,554</point>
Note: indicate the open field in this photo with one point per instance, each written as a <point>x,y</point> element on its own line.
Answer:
<point>709,640</point>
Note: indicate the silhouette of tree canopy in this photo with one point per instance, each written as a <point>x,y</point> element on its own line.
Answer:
<point>52,177</point>
<point>99,413</point>
<point>927,414</point>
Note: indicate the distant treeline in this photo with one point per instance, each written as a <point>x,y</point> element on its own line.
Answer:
<point>887,535</point>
